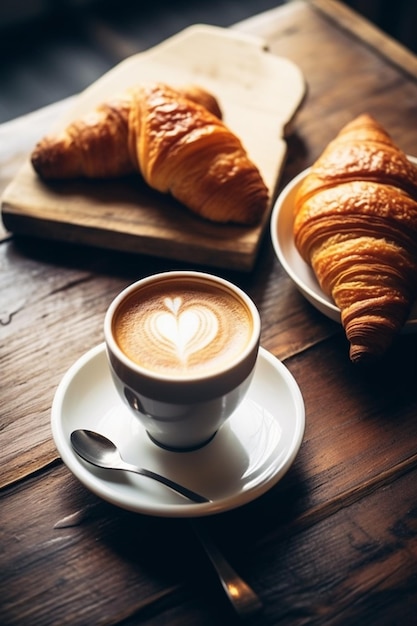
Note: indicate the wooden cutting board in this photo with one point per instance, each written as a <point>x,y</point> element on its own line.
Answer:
<point>259,94</point>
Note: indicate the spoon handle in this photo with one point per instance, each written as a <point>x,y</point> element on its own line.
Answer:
<point>242,597</point>
<point>184,491</point>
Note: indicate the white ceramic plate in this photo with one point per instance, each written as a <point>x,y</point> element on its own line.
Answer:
<point>282,222</point>
<point>248,455</point>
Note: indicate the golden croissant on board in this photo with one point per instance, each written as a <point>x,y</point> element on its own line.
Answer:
<point>174,138</point>
<point>356,225</point>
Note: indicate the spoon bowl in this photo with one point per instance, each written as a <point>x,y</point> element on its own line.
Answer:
<point>101,452</point>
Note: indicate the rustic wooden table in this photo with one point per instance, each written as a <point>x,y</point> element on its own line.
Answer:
<point>335,541</point>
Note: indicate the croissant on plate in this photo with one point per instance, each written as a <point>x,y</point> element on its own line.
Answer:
<point>174,138</point>
<point>356,225</point>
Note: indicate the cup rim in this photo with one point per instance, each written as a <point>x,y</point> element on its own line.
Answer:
<point>127,363</point>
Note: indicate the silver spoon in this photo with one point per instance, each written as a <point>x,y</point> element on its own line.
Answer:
<point>101,452</point>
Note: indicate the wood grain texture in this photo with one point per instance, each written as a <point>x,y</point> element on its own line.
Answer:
<point>353,564</point>
<point>127,216</point>
<point>334,542</point>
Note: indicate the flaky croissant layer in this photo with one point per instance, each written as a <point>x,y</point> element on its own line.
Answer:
<point>175,138</point>
<point>356,225</point>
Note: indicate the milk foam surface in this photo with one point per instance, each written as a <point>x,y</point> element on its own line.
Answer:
<point>184,329</point>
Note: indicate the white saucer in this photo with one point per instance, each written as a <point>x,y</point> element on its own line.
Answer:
<point>248,455</point>
<point>282,222</point>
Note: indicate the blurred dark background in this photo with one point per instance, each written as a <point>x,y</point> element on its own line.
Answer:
<point>52,49</point>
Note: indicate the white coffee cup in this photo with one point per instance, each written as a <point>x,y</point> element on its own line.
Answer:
<point>182,348</point>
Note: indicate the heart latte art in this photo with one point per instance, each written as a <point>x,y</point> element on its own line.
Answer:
<point>182,329</point>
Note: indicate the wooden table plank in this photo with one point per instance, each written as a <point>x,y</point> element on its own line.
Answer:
<point>393,51</point>
<point>345,77</point>
<point>289,562</point>
<point>334,541</point>
<point>271,26</point>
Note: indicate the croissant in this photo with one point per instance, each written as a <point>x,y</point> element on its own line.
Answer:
<point>174,138</point>
<point>356,225</point>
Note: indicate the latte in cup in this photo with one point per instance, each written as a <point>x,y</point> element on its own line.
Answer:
<point>182,348</point>
<point>182,328</point>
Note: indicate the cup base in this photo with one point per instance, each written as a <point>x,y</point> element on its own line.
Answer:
<point>181,448</point>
